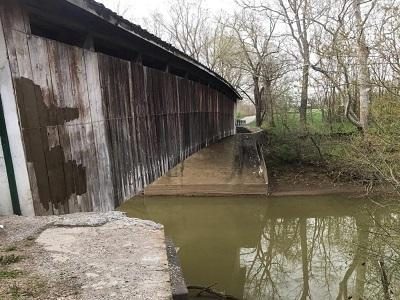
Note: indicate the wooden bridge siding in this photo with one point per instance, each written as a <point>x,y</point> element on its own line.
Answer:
<point>132,123</point>
<point>14,29</point>
<point>162,114</point>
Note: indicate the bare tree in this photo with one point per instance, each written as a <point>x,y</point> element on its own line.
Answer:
<point>272,70</point>
<point>192,28</point>
<point>297,16</point>
<point>247,30</point>
<point>185,26</point>
<point>259,54</point>
<point>222,53</point>
<point>346,66</point>
<point>362,58</point>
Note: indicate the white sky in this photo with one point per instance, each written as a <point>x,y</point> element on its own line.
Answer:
<point>139,9</point>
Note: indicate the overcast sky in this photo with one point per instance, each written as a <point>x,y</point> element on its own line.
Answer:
<point>138,9</point>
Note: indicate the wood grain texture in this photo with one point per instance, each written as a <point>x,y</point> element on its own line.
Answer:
<point>7,91</point>
<point>98,129</point>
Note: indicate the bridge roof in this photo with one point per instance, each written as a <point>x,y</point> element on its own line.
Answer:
<point>90,12</point>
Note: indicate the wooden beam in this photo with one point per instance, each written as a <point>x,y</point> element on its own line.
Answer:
<point>89,43</point>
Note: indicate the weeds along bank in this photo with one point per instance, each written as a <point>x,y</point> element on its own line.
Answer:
<point>338,149</point>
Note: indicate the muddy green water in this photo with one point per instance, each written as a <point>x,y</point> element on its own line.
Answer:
<point>330,247</point>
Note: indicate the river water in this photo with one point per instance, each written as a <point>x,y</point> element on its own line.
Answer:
<point>330,247</point>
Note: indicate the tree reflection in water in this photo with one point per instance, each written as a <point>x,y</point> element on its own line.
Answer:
<point>283,248</point>
<point>327,257</point>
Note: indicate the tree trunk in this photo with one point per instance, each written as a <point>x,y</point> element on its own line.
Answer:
<point>332,107</point>
<point>363,229</point>
<point>269,106</point>
<point>304,92</point>
<point>257,101</point>
<point>364,76</point>
<point>304,258</point>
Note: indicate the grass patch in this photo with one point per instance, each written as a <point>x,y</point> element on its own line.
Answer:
<point>252,124</point>
<point>9,259</point>
<point>10,249</point>
<point>290,121</point>
<point>9,274</point>
<point>334,145</point>
<point>15,292</point>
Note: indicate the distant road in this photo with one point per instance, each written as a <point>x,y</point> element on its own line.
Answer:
<point>249,119</point>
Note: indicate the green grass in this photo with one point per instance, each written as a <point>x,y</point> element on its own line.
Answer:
<point>15,292</point>
<point>9,274</point>
<point>290,121</point>
<point>10,249</point>
<point>252,124</point>
<point>289,144</point>
<point>239,115</point>
<point>9,259</point>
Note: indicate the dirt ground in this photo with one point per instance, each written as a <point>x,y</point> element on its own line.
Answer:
<point>24,265</point>
<point>293,180</point>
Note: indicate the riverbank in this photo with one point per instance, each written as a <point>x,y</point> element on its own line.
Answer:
<point>301,180</point>
<point>305,163</point>
<point>83,256</point>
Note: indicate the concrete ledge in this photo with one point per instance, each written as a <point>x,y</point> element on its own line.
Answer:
<point>207,189</point>
<point>233,166</point>
<point>99,255</point>
<point>179,289</point>
<point>249,148</point>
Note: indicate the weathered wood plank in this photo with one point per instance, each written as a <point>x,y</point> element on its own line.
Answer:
<point>148,104</point>
<point>20,52</point>
<point>49,118</point>
<point>133,128</point>
<point>118,125</point>
<point>137,78</point>
<point>29,99</point>
<point>13,130</point>
<point>107,73</point>
<point>86,148</point>
<point>62,95</point>
<point>106,202</point>
<point>12,16</point>
<point>123,98</point>
<point>145,128</point>
<point>28,96</point>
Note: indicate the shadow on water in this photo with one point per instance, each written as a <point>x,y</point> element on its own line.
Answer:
<point>329,247</point>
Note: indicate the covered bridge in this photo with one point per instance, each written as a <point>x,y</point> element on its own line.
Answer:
<point>94,108</point>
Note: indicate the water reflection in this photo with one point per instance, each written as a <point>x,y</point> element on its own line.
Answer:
<point>283,248</point>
